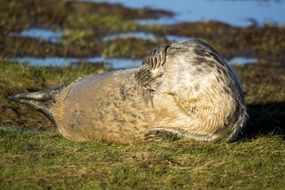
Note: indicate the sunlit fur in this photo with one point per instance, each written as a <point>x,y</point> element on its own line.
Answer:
<point>189,91</point>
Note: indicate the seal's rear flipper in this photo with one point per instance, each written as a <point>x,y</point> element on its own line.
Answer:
<point>40,100</point>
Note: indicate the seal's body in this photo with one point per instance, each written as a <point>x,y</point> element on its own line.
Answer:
<point>184,90</point>
<point>105,106</point>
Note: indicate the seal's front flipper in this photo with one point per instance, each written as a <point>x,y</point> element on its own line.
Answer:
<point>40,100</point>
<point>160,134</point>
<point>150,75</point>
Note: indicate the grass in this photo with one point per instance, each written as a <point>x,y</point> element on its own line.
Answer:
<point>34,156</point>
<point>45,160</point>
<point>130,48</point>
<point>36,161</point>
<point>84,25</point>
<point>15,78</point>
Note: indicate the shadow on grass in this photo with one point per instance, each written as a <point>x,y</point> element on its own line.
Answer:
<point>265,119</point>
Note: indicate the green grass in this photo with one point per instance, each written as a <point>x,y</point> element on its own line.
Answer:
<point>36,161</point>
<point>39,160</point>
<point>16,78</point>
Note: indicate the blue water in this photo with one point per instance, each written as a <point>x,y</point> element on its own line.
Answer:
<point>242,60</point>
<point>54,36</point>
<point>234,12</point>
<point>137,35</point>
<point>143,36</point>
<point>237,12</point>
<point>116,63</point>
<point>41,34</point>
<point>177,38</point>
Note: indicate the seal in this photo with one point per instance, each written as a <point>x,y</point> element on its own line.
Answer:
<point>183,90</point>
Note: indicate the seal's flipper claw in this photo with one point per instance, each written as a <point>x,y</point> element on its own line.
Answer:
<point>160,134</point>
<point>155,58</point>
<point>149,76</point>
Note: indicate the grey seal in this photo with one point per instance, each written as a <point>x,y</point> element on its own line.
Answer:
<point>183,90</point>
